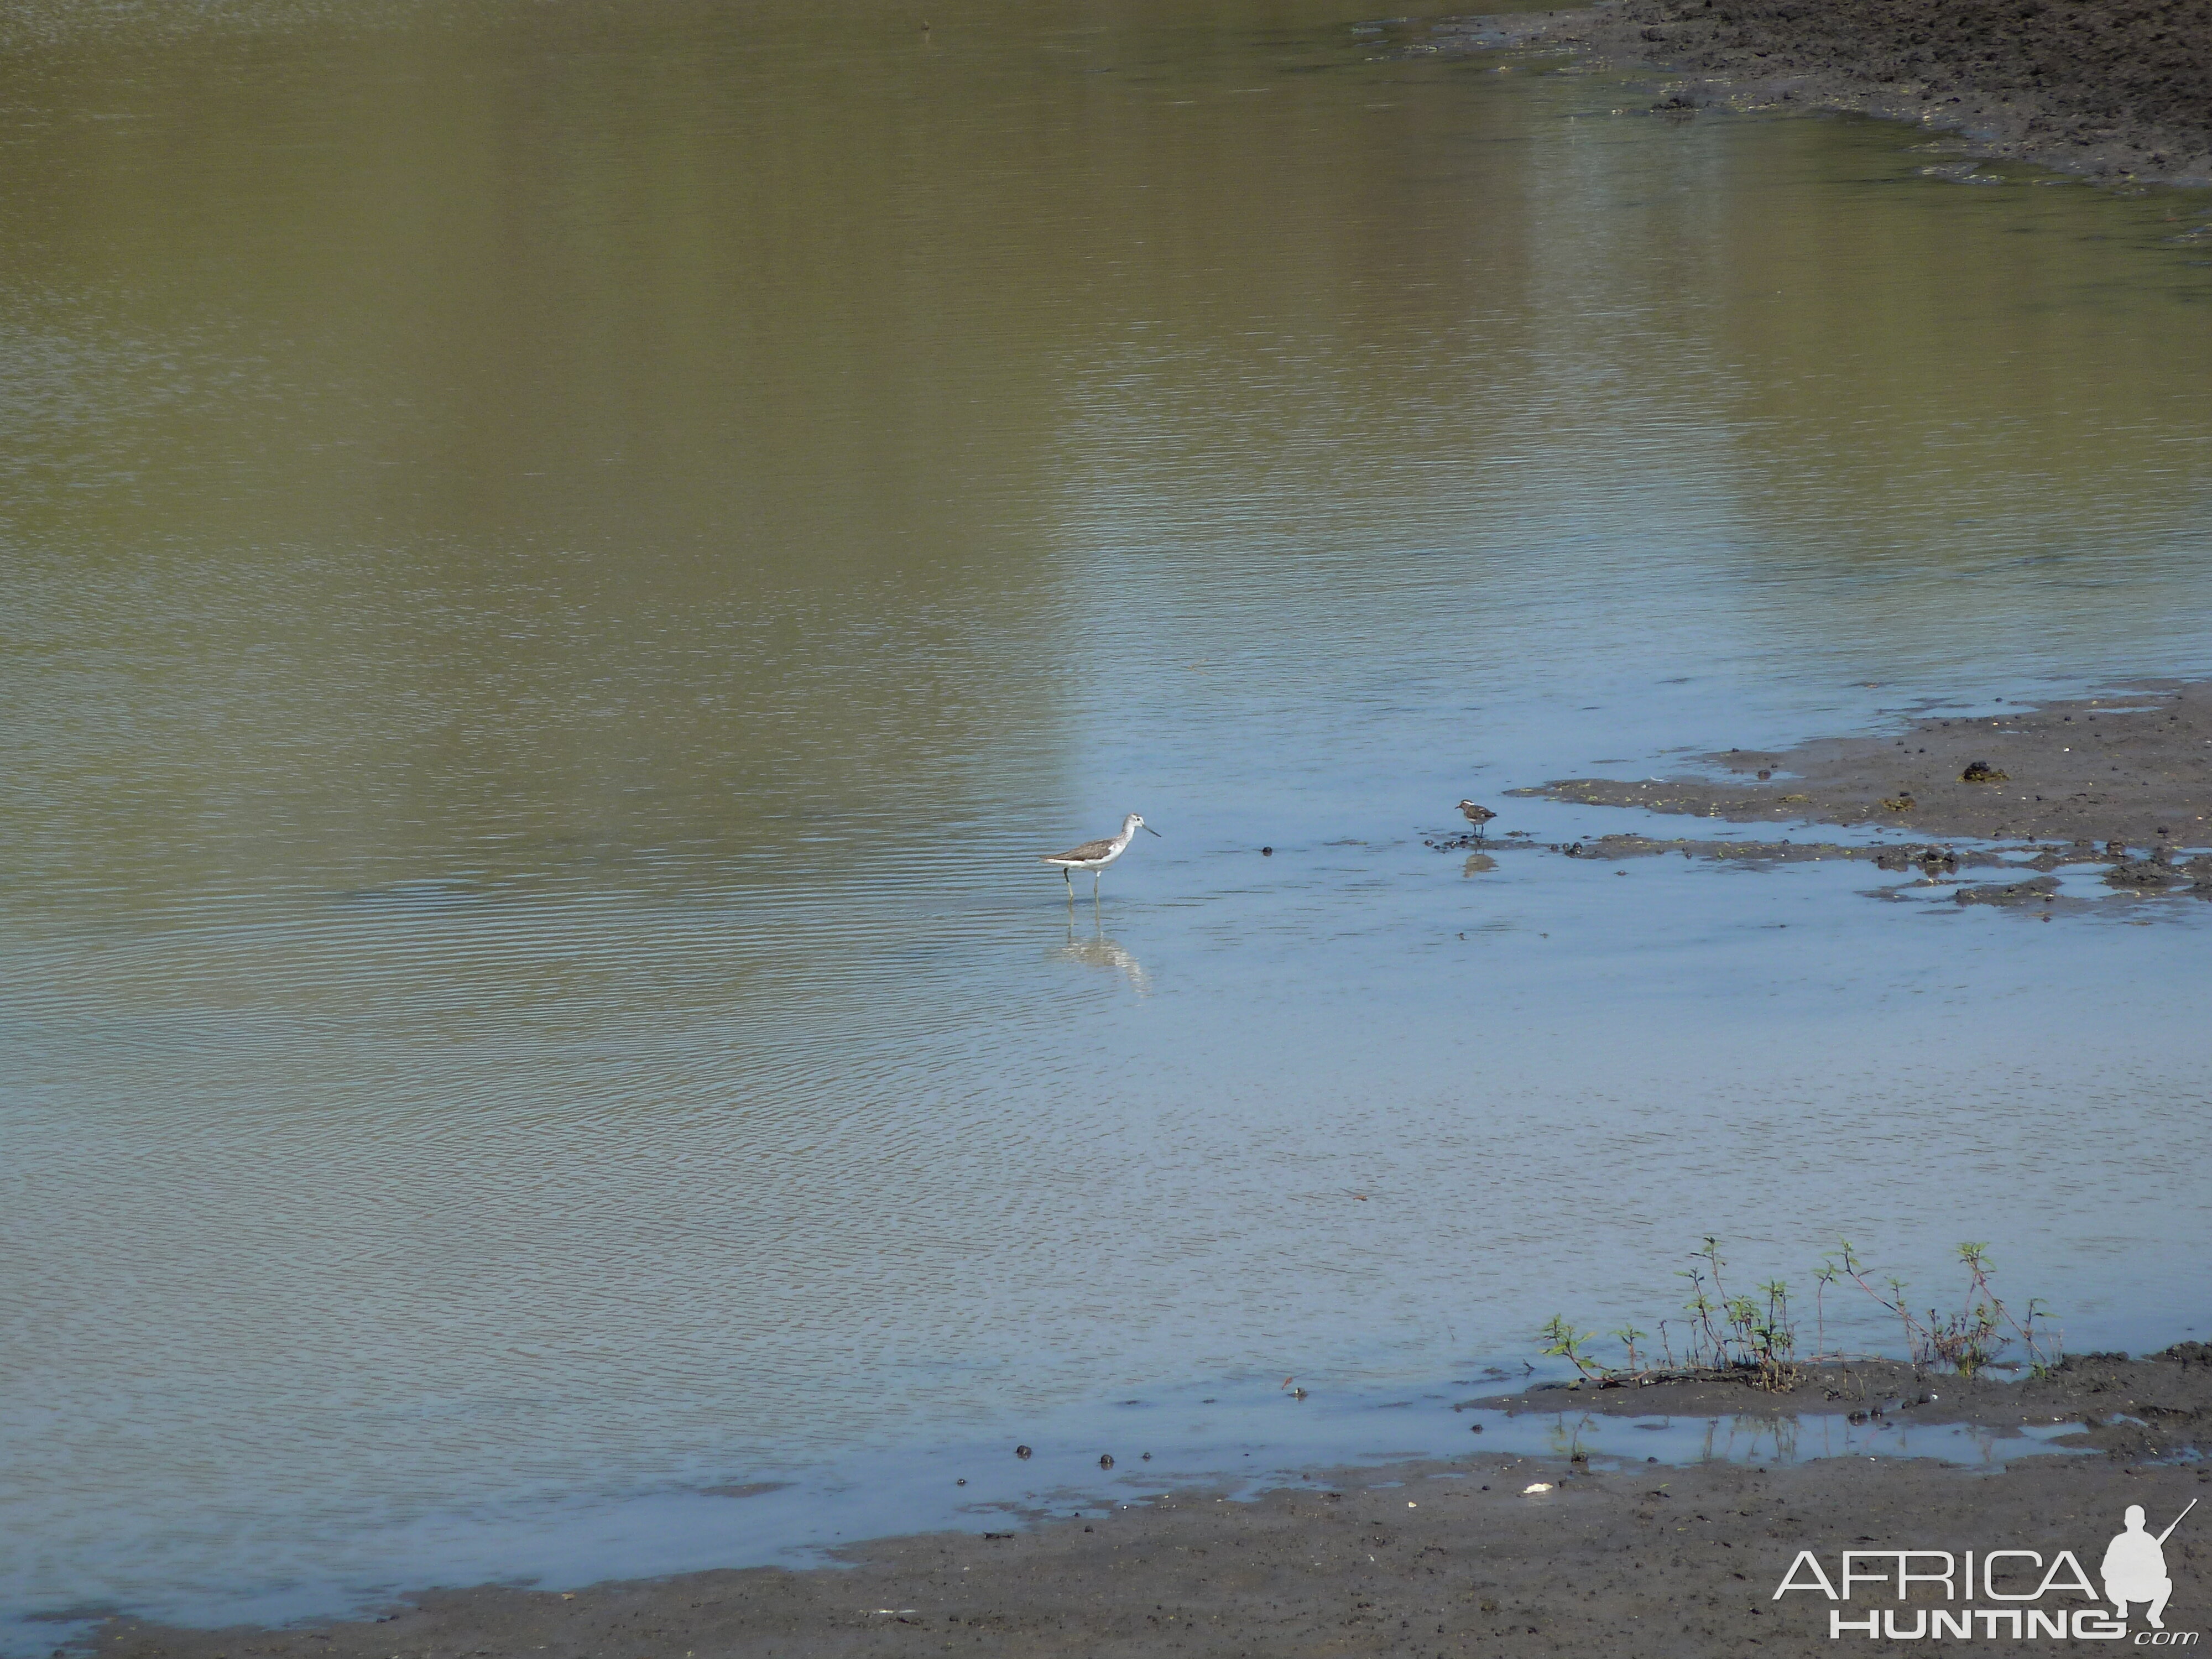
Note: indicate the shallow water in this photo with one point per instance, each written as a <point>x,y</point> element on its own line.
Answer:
<point>1246,1441</point>
<point>560,563</point>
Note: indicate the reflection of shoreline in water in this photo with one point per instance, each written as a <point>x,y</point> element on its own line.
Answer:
<point>1099,952</point>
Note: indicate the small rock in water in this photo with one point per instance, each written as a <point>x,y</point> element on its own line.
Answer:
<point>1981,772</point>
<point>1021,1452</point>
<point>1106,1461</point>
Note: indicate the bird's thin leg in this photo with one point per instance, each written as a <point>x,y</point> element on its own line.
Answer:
<point>1070,880</point>
<point>1095,874</point>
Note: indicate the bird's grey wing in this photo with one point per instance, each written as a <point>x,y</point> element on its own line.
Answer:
<point>1089,849</point>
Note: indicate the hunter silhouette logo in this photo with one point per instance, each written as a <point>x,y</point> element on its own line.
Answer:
<point>2011,1587</point>
<point>2134,1567</point>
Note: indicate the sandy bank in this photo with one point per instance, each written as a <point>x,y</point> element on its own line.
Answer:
<point>2109,87</point>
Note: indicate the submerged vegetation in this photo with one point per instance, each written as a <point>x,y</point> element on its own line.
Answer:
<point>1759,1337</point>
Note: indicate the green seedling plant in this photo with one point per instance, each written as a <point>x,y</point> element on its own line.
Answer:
<point>1563,1342</point>
<point>1629,1335</point>
<point>1969,1340</point>
<point>1754,1337</point>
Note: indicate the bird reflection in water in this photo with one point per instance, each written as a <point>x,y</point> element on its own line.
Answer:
<point>1099,952</point>
<point>1477,863</point>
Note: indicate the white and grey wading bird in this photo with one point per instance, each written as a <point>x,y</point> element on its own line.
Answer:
<point>1096,855</point>
<point>1477,816</point>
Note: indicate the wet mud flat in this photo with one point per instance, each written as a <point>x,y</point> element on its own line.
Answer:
<point>2114,88</point>
<point>1457,1558</point>
<point>2159,1407</point>
<point>2019,879</point>
<point>2122,782</point>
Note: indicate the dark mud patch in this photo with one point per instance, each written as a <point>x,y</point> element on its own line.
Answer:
<point>2023,875</point>
<point>2114,88</point>
<point>2123,780</point>
<point>2038,889</point>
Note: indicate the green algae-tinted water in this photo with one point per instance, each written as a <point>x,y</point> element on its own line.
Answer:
<point>558,562</point>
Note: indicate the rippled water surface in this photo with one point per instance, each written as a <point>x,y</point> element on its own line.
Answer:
<point>559,564</point>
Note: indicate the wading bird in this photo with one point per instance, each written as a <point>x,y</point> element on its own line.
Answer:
<point>1477,816</point>
<point>1096,855</point>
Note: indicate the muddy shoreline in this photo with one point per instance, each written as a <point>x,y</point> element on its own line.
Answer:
<point>2015,878</point>
<point>2125,781</point>
<point>2116,89</point>
<point>1455,1557</point>
<point>2154,1408</point>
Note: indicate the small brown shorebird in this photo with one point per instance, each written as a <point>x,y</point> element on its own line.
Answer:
<point>1096,855</point>
<point>1477,816</point>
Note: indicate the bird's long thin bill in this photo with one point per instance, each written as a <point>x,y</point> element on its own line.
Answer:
<point>1148,830</point>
